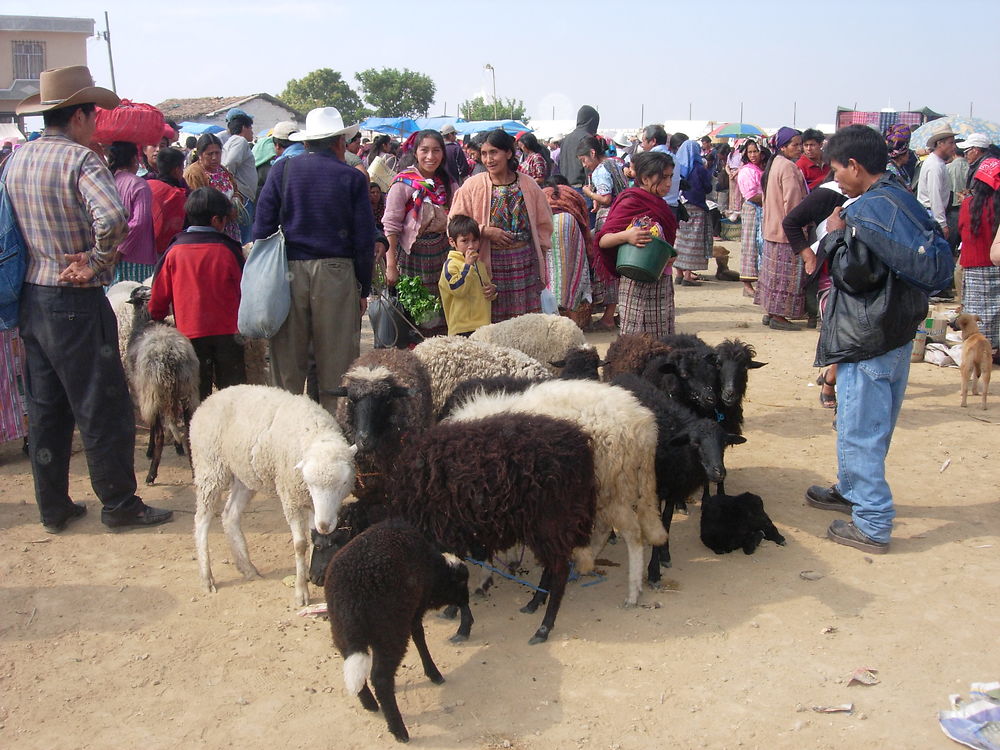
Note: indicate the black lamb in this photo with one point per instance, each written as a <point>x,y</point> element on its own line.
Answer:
<point>375,609</point>
<point>730,522</point>
<point>689,454</point>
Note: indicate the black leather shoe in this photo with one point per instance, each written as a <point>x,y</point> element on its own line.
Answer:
<point>145,516</point>
<point>827,498</point>
<point>77,510</point>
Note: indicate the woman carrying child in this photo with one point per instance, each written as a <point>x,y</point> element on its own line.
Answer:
<point>645,307</point>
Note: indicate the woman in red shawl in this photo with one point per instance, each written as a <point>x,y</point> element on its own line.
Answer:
<point>644,307</point>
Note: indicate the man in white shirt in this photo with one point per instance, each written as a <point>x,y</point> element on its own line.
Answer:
<point>238,158</point>
<point>934,187</point>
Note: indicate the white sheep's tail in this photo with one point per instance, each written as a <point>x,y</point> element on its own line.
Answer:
<point>357,667</point>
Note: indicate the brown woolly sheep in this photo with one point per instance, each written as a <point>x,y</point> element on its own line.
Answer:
<point>630,354</point>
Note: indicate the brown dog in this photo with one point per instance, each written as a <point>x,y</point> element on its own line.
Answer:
<point>977,355</point>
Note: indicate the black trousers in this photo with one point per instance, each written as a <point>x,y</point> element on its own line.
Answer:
<point>220,360</point>
<point>74,376</point>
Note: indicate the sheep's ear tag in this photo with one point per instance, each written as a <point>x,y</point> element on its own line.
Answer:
<point>353,449</point>
<point>754,364</point>
<point>299,465</point>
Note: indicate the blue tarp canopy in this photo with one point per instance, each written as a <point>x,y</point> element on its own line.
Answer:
<point>436,123</point>
<point>483,126</point>
<point>398,126</point>
<point>197,128</point>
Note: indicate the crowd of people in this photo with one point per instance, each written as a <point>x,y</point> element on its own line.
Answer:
<point>489,225</point>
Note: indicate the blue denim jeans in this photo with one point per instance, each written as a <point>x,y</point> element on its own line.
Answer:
<point>246,232</point>
<point>869,396</point>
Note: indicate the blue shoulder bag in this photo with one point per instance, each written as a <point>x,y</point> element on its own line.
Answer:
<point>13,257</point>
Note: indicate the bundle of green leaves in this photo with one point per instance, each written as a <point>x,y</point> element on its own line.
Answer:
<point>419,303</point>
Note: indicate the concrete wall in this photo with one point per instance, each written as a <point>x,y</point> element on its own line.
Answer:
<point>61,49</point>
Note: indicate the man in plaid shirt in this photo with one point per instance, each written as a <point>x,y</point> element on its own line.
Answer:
<point>72,220</point>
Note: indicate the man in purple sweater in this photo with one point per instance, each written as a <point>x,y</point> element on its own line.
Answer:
<point>324,211</point>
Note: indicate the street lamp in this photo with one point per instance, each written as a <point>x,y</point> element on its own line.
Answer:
<point>494,72</point>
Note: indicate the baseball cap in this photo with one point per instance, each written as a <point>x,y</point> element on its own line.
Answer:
<point>237,111</point>
<point>974,140</point>
<point>283,129</point>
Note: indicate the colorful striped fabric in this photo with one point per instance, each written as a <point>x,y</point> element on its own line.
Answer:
<point>646,308</point>
<point>569,272</point>
<point>779,288</point>
<point>518,282</point>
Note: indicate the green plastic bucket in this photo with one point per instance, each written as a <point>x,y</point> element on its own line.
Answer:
<point>644,263</point>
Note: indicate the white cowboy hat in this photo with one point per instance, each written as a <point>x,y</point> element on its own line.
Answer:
<point>64,87</point>
<point>324,122</point>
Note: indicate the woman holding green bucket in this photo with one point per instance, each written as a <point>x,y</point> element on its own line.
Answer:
<point>636,216</point>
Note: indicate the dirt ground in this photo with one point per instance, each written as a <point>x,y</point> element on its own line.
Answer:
<point>107,640</point>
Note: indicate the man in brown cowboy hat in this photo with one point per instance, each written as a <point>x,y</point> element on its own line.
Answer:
<point>72,220</point>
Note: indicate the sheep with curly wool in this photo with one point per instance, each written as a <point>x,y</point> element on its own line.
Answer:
<point>689,453</point>
<point>252,438</point>
<point>163,373</point>
<point>631,353</point>
<point>451,359</point>
<point>546,338</point>
<point>481,485</point>
<point>374,611</point>
<point>623,432</point>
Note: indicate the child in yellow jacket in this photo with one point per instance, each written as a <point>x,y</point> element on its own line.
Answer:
<point>465,284</point>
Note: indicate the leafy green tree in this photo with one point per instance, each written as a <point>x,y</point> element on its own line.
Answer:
<point>397,93</point>
<point>324,88</point>
<point>480,109</point>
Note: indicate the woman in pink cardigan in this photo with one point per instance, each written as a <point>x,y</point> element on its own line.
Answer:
<point>516,224</point>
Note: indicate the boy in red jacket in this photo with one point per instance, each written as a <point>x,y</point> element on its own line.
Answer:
<point>199,275</point>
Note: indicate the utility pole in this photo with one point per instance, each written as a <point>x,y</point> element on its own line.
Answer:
<point>741,113</point>
<point>795,112</point>
<point>689,110</point>
<point>493,71</point>
<point>642,115</point>
<point>106,36</point>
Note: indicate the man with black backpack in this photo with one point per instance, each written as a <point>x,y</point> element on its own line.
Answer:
<point>886,256</point>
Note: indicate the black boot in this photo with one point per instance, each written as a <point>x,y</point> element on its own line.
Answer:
<point>723,273</point>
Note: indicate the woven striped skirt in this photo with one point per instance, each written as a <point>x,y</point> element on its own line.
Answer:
<point>518,282</point>
<point>13,420</point>
<point>735,197</point>
<point>132,272</point>
<point>749,249</point>
<point>647,308</point>
<point>981,296</point>
<point>569,272</point>
<point>779,288</point>
<point>425,260</point>
<point>694,241</point>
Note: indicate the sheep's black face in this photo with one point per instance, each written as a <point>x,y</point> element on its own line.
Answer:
<point>700,374</point>
<point>372,415</point>
<point>732,381</point>
<point>710,441</point>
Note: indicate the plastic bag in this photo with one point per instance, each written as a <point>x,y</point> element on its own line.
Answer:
<point>548,300</point>
<point>265,292</point>
<point>390,325</point>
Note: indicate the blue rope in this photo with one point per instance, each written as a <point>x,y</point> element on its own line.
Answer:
<point>573,576</point>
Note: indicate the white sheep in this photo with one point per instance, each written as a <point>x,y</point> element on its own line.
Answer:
<point>624,440</point>
<point>250,438</point>
<point>546,338</point>
<point>451,359</point>
<point>118,297</point>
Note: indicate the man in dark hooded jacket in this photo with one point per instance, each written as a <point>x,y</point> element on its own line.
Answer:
<point>587,120</point>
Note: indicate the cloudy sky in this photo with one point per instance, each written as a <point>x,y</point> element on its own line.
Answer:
<point>661,61</point>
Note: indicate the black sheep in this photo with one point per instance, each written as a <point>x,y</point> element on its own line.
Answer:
<point>730,522</point>
<point>697,366</point>
<point>689,454</point>
<point>373,605</point>
<point>479,487</point>
<point>580,363</point>
<point>736,359</point>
